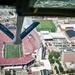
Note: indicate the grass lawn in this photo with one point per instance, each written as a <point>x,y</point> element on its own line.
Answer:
<point>46,25</point>
<point>12,51</point>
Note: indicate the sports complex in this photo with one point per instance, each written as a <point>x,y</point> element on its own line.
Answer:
<point>12,55</point>
<point>21,55</point>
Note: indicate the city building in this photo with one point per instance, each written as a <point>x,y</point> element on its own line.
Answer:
<point>68,31</point>
<point>43,65</point>
<point>68,55</point>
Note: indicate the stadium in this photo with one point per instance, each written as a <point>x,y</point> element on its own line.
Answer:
<point>18,55</point>
<point>15,56</point>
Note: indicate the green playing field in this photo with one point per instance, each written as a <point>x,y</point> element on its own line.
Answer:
<point>12,51</point>
<point>46,25</point>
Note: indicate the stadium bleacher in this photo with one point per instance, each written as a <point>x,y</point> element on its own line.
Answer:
<point>28,47</point>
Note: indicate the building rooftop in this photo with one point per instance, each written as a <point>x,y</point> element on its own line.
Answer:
<point>63,26</point>
<point>69,57</point>
<point>69,49</point>
<point>46,65</point>
<point>70,33</point>
<point>46,35</point>
<point>57,35</point>
<point>70,65</point>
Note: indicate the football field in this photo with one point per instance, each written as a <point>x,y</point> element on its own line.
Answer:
<point>12,51</point>
<point>46,25</point>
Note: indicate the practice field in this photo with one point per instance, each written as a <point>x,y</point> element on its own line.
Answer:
<point>12,51</point>
<point>46,25</point>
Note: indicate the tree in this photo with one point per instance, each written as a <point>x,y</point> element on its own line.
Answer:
<point>52,61</point>
<point>61,69</point>
<point>51,55</point>
<point>35,65</point>
<point>7,72</point>
<point>52,30</point>
<point>57,55</point>
<point>58,62</point>
<point>56,69</point>
<point>14,72</point>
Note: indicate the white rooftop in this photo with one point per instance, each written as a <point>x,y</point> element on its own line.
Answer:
<point>12,67</point>
<point>70,65</point>
<point>57,35</point>
<point>46,66</point>
<point>34,69</point>
<point>46,35</point>
<point>44,31</point>
<point>27,22</point>
<point>67,25</point>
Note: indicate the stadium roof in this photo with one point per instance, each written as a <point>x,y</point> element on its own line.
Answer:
<point>70,33</point>
<point>14,61</point>
<point>12,67</point>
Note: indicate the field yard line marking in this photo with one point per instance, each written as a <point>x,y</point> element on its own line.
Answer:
<point>2,51</point>
<point>19,51</point>
<point>5,49</point>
